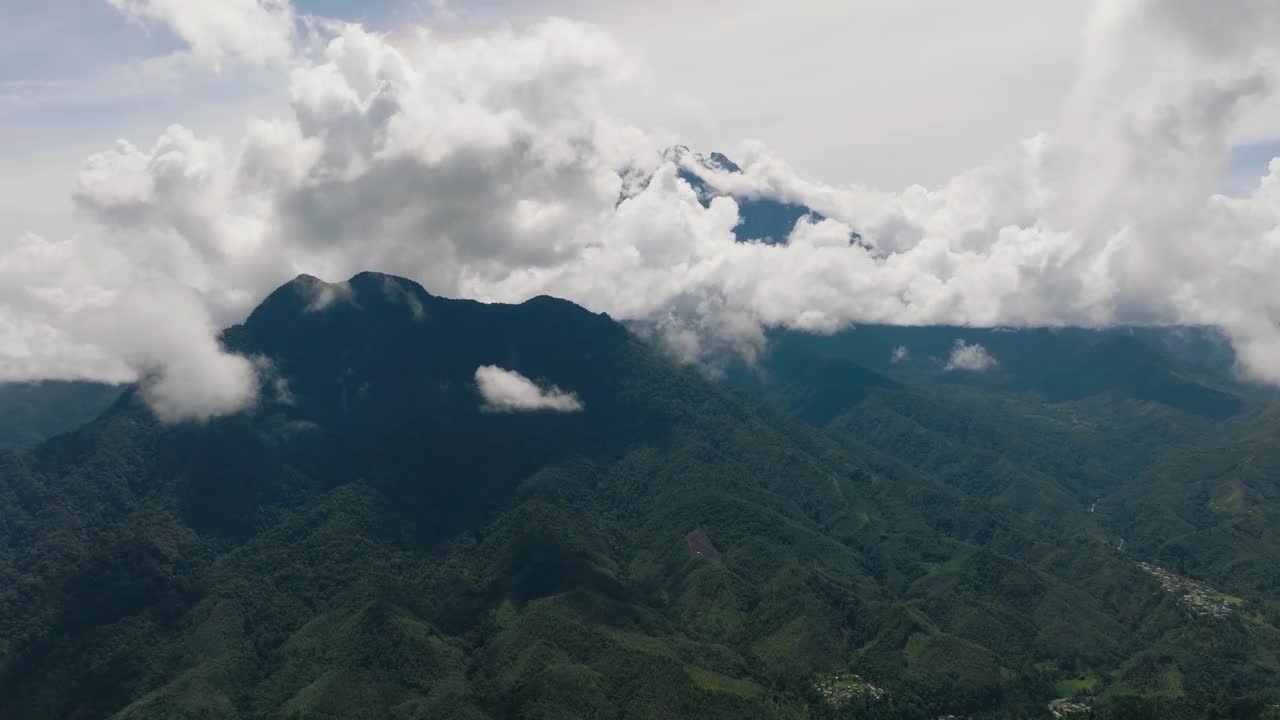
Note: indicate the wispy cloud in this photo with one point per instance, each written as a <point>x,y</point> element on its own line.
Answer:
<point>258,32</point>
<point>20,92</point>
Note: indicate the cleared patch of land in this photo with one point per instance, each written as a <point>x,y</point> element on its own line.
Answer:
<point>1197,597</point>
<point>700,545</point>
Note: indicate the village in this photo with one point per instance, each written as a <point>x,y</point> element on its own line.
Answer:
<point>1065,707</point>
<point>840,690</point>
<point>1195,596</point>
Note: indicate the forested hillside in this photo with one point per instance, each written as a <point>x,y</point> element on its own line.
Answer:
<point>1162,454</point>
<point>377,540</point>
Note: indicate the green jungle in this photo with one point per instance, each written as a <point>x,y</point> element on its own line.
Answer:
<point>847,528</point>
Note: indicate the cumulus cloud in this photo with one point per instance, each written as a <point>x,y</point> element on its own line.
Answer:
<point>973,358</point>
<point>488,166</point>
<point>899,354</point>
<point>194,379</point>
<point>259,32</point>
<point>507,391</point>
<point>78,310</point>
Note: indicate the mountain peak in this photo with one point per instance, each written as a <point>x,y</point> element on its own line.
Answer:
<point>381,280</point>
<point>764,217</point>
<point>720,162</point>
<point>308,294</point>
<point>308,321</point>
<point>716,162</point>
<point>304,279</point>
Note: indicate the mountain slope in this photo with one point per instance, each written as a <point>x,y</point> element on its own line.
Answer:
<point>370,541</point>
<point>1078,444</point>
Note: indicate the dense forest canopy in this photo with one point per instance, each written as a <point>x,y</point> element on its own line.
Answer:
<point>852,527</point>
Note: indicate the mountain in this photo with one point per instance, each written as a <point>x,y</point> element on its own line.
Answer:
<point>376,540</point>
<point>763,217</point>
<point>32,412</point>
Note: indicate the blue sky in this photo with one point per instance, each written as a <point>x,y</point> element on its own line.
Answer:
<point>1248,163</point>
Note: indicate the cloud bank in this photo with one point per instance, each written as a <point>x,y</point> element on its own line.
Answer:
<point>507,391</point>
<point>488,166</point>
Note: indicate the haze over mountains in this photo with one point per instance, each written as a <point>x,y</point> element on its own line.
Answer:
<point>32,412</point>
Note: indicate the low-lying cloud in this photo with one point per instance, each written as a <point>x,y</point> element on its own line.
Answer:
<point>507,391</point>
<point>973,358</point>
<point>488,166</point>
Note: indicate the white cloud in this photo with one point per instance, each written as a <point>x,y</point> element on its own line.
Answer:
<point>258,32</point>
<point>194,378</point>
<point>899,354</point>
<point>973,358</point>
<point>488,166</point>
<point>995,70</point>
<point>507,391</point>
<point>74,309</point>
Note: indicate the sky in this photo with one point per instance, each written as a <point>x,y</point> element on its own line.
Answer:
<point>169,162</point>
<point>713,75</point>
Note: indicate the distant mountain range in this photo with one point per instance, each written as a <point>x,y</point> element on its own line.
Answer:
<point>1187,368</point>
<point>35,411</point>
<point>858,526</point>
